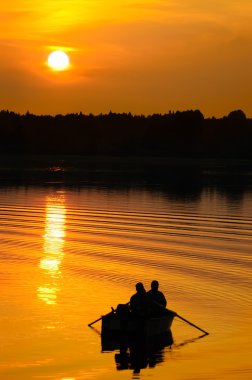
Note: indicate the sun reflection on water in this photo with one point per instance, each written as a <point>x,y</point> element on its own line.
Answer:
<point>53,247</point>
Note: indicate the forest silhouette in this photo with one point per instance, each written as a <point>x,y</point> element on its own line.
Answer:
<point>175,134</point>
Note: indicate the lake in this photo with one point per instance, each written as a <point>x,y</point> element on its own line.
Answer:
<point>69,251</point>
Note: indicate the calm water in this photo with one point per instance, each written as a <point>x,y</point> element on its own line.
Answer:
<point>67,255</point>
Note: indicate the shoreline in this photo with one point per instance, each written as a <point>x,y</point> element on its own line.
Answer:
<point>68,162</point>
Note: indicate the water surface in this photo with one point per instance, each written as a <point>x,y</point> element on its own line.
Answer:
<point>68,254</point>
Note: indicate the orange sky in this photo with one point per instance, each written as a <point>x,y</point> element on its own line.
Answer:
<point>142,56</point>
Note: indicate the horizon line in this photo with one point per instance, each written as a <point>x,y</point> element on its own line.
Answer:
<point>129,113</point>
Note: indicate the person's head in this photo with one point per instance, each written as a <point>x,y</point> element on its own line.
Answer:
<point>140,287</point>
<point>154,285</point>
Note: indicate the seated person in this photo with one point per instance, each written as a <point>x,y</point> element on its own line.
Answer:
<point>157,300</point>
<point>139,302</point>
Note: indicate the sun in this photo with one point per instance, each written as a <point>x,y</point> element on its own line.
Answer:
<point>58,60</point>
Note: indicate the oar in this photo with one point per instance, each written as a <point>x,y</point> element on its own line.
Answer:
<point>97,320</point>
<point>179,316</point>
<point>190,323</point>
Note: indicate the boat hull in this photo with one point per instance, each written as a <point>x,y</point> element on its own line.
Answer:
<point>118,331</point>
<point>153,326</point>
<point>114,327</point>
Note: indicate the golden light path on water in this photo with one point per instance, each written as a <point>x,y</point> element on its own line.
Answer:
<point>53,247</point>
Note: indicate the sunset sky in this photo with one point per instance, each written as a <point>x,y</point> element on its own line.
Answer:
<point>142,56</point>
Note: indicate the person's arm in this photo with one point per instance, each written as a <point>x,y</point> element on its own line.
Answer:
<point>164,302</point>
<point>132,303</point>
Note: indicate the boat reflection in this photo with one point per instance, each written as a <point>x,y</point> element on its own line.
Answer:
<point>53,247</point>
<point>139,353</point>
<point>142,353</point>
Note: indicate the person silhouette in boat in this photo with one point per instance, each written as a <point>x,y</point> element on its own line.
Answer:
<point>156,299</point>
<point>139,301</point>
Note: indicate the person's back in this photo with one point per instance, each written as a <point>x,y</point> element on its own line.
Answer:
<point>156,299</point>
<point>138,302</point>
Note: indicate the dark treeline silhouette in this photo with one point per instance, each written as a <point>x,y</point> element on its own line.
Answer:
<point>175,134</point>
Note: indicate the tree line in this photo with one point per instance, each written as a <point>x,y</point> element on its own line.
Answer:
<point>175,134</point>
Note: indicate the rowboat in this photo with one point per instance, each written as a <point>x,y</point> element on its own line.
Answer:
<point>113,324</point>
<point>118,330</point>
<point>121,327</point>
